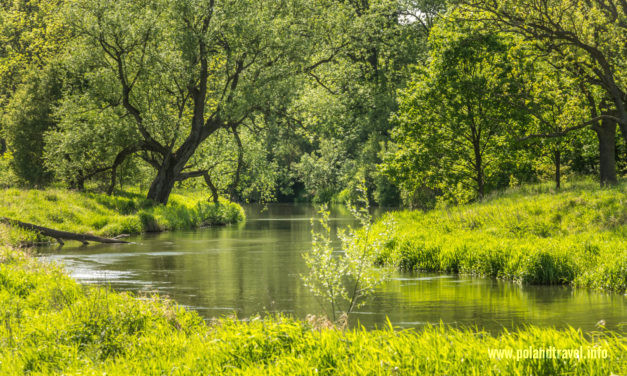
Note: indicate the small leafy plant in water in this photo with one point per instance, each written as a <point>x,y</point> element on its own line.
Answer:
<point>343,279</point>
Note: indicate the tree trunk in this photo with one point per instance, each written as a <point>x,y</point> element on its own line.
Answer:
<point>479,169</point>
<point>119,159</point>
<point>557,159</point>
<point>212,187</point>
<point>606,134</point>
<point>170,170</point>
<point>60,235</point>
<point>162,185</point>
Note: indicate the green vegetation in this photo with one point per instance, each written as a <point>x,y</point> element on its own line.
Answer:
<point>50,324</point>
<point>343,282</point>
<point>426,102</point>
<point>99,214</point>
<point>529,234</point>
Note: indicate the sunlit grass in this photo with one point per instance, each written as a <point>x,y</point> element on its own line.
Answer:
<point>99,214</point>
<point>530,235</point>
<point>50,324</point>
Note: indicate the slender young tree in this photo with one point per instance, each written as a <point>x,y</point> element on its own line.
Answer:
<point>454,116</point>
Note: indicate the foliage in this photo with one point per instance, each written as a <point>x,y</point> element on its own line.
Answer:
<point>85,140</point>
<point>529,234</point>
<point>344,281</point>
<point>345,104</point>
<point>174,73</point>
<point>584,38</point>
<point>26,118</point>
<point>7,176</point>
<point>454,117</point>
<point>242,171</point>
<point>322,171</point>
<point>126,213</point>
<point>50,324</point>
<point>31,37</point>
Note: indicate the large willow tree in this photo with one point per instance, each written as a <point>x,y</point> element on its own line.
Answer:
<point>166,75</point>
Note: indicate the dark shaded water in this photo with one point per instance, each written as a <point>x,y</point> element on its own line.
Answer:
<point>254,268</point>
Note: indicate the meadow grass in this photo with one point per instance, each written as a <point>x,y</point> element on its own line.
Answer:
<point>51,324</point>
<point>531,234</point>
<point>99,214</point>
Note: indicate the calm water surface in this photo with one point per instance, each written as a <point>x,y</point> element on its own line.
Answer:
<point>253,268</point>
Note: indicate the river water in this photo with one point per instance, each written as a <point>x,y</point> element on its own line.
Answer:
<point>253,268</point>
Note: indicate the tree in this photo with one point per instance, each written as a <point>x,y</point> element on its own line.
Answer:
<point>182,70</point>
<point>343,282</point>
<point>454,118</point>
<point>322,170</point>
<point>27,117</point>
<point>88,142</point>
<point>348,101</point>
<point>553,102</point>
<point>586,38</point>
<point>31,36</point>
<point>237,164</point>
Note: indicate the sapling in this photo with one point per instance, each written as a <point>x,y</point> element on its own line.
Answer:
<point>343,280</point>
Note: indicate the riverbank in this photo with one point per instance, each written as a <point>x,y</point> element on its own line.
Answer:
<point>102,215</point>
<point>51,324</point>
<point>531,234</point>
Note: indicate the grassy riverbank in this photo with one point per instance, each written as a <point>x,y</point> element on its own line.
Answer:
<point>51,324</point>
<point>99,214</point>
<point>531,235</point>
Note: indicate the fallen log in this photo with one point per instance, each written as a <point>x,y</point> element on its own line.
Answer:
<point>60,235</point>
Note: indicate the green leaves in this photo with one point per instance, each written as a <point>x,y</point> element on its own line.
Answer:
<point>343,280</point>
<point>455,117</point>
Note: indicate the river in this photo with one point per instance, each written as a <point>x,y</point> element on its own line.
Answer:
<point>253,268</point>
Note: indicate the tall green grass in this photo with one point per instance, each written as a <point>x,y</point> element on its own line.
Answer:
<point>531,234</point>
<point>99,214</point>
<point>50,324</point>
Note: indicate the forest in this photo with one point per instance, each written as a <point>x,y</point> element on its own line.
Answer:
<point>424,100</point>
<point>332,187</point>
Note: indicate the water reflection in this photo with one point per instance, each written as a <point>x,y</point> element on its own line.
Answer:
<point>254,268</point>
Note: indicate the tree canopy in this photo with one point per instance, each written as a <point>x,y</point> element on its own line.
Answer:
<point>421,100</point>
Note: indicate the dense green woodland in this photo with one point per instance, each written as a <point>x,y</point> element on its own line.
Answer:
<point>424,100</point>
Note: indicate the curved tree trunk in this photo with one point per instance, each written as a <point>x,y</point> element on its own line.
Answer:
<point>119,159</point>
<point>162,185</point>
<point>214,191</point>
<point>60,235</point>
